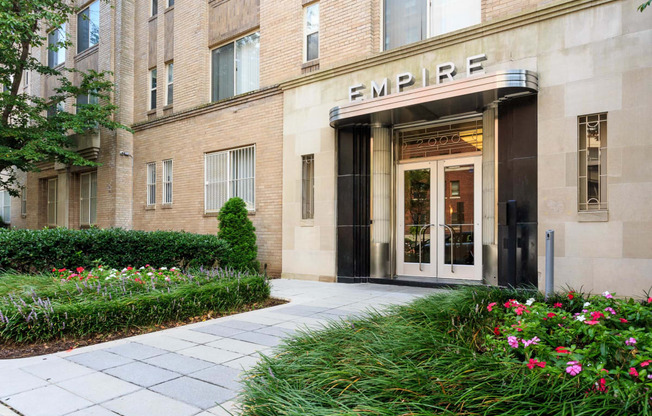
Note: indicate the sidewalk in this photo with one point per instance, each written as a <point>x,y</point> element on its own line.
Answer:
<point>184,371</point>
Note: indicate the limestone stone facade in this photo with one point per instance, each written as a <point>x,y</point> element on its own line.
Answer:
<point>590,57</point>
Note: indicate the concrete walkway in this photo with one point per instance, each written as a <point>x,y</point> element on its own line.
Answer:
<point>184,371</point>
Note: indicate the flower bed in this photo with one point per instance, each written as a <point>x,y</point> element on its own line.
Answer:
<point>82,302</point>
<point>602,343</point>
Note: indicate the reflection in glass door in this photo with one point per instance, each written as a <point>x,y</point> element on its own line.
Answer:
<point>439,216</point>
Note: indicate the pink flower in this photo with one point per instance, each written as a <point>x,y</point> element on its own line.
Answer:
<point>633,372</point>
<point>536,363</point>
<point>574,368</point>
<point>490,306</point>
<point>649,300</point>
<point>597,315</point>
<point>607,295</point>
<point>623,321</point>
<point>591,322</point>
<point>631,341</point>
<point>512,341</point>
<point>533,341</point>
<point>646,363</point>
<point>610,310</point>
<point>557,305</point>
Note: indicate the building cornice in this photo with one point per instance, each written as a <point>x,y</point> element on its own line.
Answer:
<point>209,108</point>
<point>428,45</point>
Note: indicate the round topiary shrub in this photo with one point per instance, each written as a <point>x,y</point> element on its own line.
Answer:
<point>237,230</point>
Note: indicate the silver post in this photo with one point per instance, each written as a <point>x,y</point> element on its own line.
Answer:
<point>550,263</point>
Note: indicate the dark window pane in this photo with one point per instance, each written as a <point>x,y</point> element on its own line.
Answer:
<point>313,46</point>
<point>222,72</point>
<point>154,7</point>
<point>52,54</point>
<point>170,93</point>
<point>82,31</point>
<point>153,100</point>
<point>82,100</point>
<point>170,3</point>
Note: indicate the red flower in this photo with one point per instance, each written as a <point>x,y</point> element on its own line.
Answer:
<point>646,363</point>
<point>597,315</point>
<point>497,331</point>
<point>623,321</point>
<point>536,363</point>
<point>649,300</point>
<point>570,295</point>
<point>80,269</point>
<point>557,305</point>
<point>62,270</point>
<point>601,385</point>
<point>551,315</point>
<point>511,303</point>
<point>130,268</point>
<point>490,306</point>
<point>633,372</point>
<point>562,350</point>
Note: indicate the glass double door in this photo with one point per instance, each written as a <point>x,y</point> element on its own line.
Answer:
<point>439,214</point>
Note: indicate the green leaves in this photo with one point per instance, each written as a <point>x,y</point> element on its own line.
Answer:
<point>237,230</point>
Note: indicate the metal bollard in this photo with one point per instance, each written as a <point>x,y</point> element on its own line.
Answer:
<point>550,263</point>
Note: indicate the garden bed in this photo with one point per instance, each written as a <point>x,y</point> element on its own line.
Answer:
<point>475,351</point>
<point>66,308</point>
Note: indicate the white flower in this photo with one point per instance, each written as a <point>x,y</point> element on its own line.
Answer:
<point>587,304</point>
<point>124,270</point>
<point>163,268</point>
<point>150,274</point>
<point>529,302</point>
<point>174,268</point>
<point>141,267</point>
<point>581,318</point>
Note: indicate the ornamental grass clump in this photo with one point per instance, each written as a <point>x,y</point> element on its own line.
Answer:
<point>473,351</point>
<point>81,302</point>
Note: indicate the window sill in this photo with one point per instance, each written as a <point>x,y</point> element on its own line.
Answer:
<point>593,216</point>
<point>166,206</point>
<point>169,9</point>
<point>152,18</point>
<point>307,222</point>
<point>83,54</point>
<point>150,207</point>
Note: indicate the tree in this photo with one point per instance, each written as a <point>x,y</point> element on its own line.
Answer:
<point>27,134</point>
<point>237,230</point>
<point>644,5</point>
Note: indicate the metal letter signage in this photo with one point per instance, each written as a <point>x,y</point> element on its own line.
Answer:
<point>444,72</point>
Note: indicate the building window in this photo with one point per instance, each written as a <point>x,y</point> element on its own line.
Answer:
<point>170,3</point>
<point>406,21</point>
<point>87,99</point>
<point>154,7</point>
<point>592,151</point>
<point>311,31</point>
<point>455,189</point>
<point>5,207</point>
<point>26,78</point>
<point>88,199</point>
<point>167,181</point>
<point>56,53</point>
<point>152,89</point>
<point>229,174</point>
<point>151,184</point>
<point>235,67</point>
<point>52,202</point>
<point>169,98</point>
<point>308,187</point>
<point>53,109</point>
<point>88,27</point>
<point>23,201</point>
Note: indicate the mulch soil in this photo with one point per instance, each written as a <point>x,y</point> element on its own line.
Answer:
<point>13,350</point>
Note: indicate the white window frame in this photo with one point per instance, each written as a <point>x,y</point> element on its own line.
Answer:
<point>151,184</point>
<point>5,205</point>
<point>169,82</point>
<point>52,222</point>
<point>92,175</point>
<point>153,84</point>
<point>235,66</point>
<point>306,32</point>
<point>251,205</point>
<point>168,170</point>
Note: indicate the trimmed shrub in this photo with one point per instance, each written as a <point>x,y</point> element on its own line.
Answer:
<point>41,250</point>
<point>237,230</point>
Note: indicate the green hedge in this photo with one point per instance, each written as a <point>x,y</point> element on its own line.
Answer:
<point>41,250</point>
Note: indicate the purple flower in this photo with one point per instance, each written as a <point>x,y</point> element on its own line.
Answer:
<point>631,341</point>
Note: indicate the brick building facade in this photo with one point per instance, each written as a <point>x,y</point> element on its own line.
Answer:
<point>224,101</point>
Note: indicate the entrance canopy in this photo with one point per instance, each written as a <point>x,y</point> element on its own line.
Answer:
<point>431,103</point>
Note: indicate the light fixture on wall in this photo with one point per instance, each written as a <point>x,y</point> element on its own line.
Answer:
<point>123,153</point>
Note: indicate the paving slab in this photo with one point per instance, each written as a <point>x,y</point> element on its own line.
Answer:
<point>136,351</point>
<point>46,401</point>
<point>243,325</point>
<point>165,342</point>
<point>149,403</point>
<point>196,337</point>
<point>219,330</point>
<point>142,374</point>
<point>276,331</point>
<point>235,345</point>
<point>225,409</point>
<point>195,392</point>
<point>179,363</point>
<point>98,387</point>
<point>220,375</point>
<point>258,338</point>
<point>99,360</point>
<point>56,369</point>
<point>16,380</point>
<point>210,354</point>
<point>93,411</point>
<point>242,363</point>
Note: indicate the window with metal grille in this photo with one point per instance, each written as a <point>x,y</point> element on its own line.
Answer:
<point>151,184</point>
<point>167,181</point>
<point>52,202</point>
<point>88,198</point>
<point>307,187</point>
<point>229,174</point>
<point>592,169</point>
<point>5,207</point>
